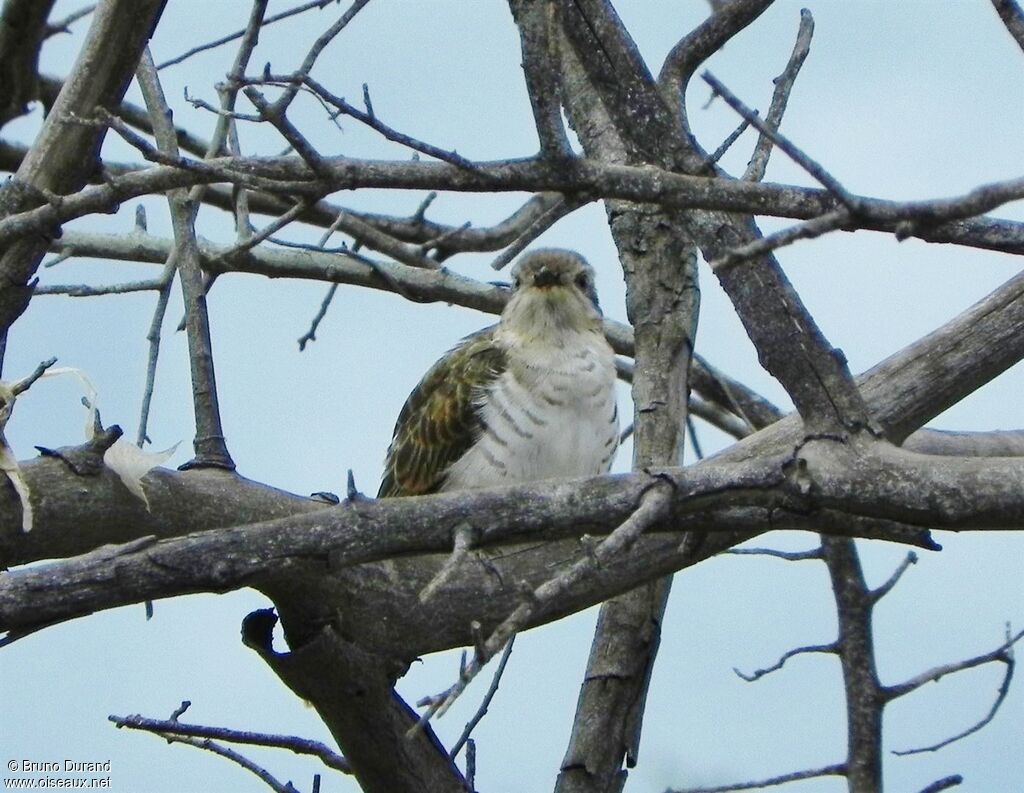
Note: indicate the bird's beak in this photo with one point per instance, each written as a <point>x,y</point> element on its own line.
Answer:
<point>545,278</point>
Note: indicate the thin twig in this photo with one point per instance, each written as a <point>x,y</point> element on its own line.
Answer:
<point>831,648</point>
<point>365,234</point>
<point>291,743</point>
<point>369,119</point>
<point>61,257</point>
<point>83,290</point>
<point>225,131</point>
<point>826,179</point>
<point>267,231</point>
<point>239,33</point>
<point>789,556</point>
<point>780,98</point>
<point>725,145</point>
<point>691,434</point>
<point>839,769</point>
<point>1002,654</point>
<point>310,335</point>
<point>943,784</point>
<point>153,337</point>
<point>314,52</point>
<point>653,504</point>
<point>880,592</point>
<point>806,230</point>
<point>230,754</point>
<point>485,704</point>
<point>552,215</point>
<point>25,383</point>
<point>64,25</point>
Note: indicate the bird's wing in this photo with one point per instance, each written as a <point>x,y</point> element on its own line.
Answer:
<point>441,418</point>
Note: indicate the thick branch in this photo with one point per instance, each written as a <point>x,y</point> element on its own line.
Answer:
<point>352,692</point>
<point>939,220</point>
<point>22,31</point>
<point>869,490</point>
<point>1013,17</point>
<point>65,153</point>
<point>856,650</point>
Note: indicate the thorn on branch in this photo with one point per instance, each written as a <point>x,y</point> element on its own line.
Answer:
<point>177,712</point>
<point>351,491</point>
<point>367,103</point>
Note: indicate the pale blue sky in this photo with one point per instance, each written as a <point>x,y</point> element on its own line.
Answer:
<point>908,100</point>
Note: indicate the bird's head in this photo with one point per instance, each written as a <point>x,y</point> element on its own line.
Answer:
<point>552,292</point>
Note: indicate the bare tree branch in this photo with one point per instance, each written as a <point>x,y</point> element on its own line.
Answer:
<point>939,220</point>
<point>757,674</point>
<point>210,445</point>
<point>64,154</point>
<point>1003,654</point>
<point>485,703</point>
<point>22,31</point>
<point>319,4</point>
<point>812,167</point>
<point>651,505</point>
<point>172,727</point>
<point>780,98</point>
<point>538,36</point>
<point>353,692</point>
<point>943,784</point>
<point>856,650</point>
<point>230,754</point>
<point>1013,17</point>
<point>883,590</point>
<point>789,556</point>
<point>839,769</point>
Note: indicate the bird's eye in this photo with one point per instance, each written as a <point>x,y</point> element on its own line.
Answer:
<point>582,281</point>
<point>515,282</point>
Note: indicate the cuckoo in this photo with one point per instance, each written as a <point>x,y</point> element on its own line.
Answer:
<point>527,399</point>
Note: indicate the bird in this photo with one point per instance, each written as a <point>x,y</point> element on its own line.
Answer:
<point>528,399</point>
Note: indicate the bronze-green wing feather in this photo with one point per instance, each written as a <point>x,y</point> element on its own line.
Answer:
<point>441,418</point>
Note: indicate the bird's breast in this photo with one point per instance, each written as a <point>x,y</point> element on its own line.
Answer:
<point>550,414</point>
